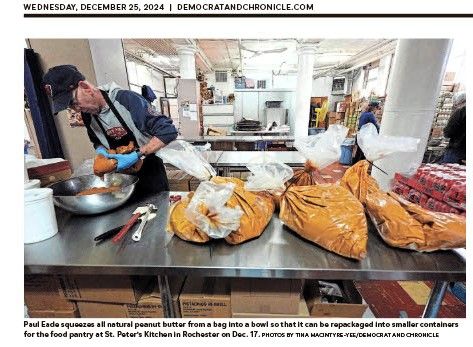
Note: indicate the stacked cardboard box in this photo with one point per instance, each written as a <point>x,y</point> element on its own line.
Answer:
<point>131,303</point>
<point>179,181</point>
<point>267,298</point>
<point>44,298</point>
<point>205,298</point>
<point>335,118</point>
<point>342,106</point>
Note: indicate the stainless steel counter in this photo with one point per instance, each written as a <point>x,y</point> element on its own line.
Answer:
<point>281,138</point>
<point>222,139</point>
<point>241,158</point>
<point>277,253</point>
<point>268,132</point>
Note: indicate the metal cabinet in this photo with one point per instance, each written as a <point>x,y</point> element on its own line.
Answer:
<point>251,103</point>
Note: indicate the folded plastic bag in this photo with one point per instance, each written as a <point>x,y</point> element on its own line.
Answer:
<point>320,150</point>
<point>207,210</point>
<point>328,215</point>
<point>180,225</point>
<point>267,175</point>
<point>184,156</point>
<point>375,146</point>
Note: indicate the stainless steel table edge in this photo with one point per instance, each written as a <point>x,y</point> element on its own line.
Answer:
<point>323,274</point>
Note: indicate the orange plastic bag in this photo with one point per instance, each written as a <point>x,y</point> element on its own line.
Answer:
<point>103,165</point>
<point>320,151</point>
<point>257,208</point>
<point>328,215</point>
<point>441,230</point>
<point>304,177</point>
<point>393,222</point>
<point>401,223</point>
<point>357,180</point>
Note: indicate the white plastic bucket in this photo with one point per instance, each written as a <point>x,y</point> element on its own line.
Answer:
<point>39,217</point>
<point>32,184</point>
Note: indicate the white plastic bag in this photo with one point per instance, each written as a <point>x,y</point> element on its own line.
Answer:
<point>86,168</point>
<point>376,146</point>
<point>203,148</point>
<point>184,156</point>
<point>208,212</point>
<point>267,175</point>
<point>323,149</point>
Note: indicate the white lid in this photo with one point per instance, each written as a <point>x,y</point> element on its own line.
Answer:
<point>32,184</point>
<point>37,194</point>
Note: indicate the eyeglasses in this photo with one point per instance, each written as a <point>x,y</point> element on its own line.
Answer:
<point>74,102</point>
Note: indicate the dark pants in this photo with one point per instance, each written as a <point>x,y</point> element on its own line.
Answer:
<point>359,155</point>
<point>452,156</point>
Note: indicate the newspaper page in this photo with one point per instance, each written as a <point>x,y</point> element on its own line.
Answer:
<point>131,106</point>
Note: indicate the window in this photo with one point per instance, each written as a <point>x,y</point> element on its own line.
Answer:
<point>338,84</point>
<point>220,76</point>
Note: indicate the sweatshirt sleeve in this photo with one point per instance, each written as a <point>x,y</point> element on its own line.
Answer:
<point>146,119</point>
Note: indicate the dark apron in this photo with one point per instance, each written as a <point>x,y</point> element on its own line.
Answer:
<point>152,175</point>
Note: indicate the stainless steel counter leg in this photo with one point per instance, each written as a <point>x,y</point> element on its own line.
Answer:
<point>166,297</point>
<point>435,299</point>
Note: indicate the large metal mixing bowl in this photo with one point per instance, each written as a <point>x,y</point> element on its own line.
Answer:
<point>64,193</point>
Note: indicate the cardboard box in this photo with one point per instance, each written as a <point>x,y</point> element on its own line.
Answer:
<point>112,289</point>
<point>317,308</point>
<point>44,293</point>
<point>206,297</point>
<point>341,106</point>
<point>178,180</point>
<point>89,309</point>
<point>149,305</point>
<point>256,295</point>
<point>53,314</point>
<point>302,313</point>
<point>51,173</point>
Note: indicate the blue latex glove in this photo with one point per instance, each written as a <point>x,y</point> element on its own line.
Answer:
<point>103,151</point>
<point>124,161</point>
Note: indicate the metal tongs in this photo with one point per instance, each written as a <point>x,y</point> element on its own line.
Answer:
<point>137,234</point>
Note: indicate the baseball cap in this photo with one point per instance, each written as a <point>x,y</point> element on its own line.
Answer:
<point>59,82</point>
<point>374,103</point>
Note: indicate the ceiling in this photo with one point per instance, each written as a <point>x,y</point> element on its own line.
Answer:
<point>277,55</point>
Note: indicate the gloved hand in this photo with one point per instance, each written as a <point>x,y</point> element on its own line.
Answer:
<point>124,161</point>
<point>102,151</point>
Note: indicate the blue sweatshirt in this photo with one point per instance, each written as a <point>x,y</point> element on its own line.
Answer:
<point>146,119</point>
<point>367,117</point>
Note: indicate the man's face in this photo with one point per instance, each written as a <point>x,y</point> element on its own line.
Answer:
<point>84,99</point>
